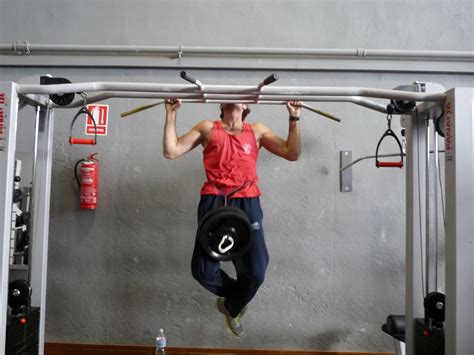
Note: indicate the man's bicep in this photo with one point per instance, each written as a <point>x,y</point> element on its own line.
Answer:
<point>189,141</point>
<point>274,144</point>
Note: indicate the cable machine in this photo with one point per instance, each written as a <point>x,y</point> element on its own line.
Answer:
<point>419,104</point>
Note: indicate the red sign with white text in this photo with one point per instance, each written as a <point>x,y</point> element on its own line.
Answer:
<point>100,114</point>
<point>448,135</point>
<point>2,119</point>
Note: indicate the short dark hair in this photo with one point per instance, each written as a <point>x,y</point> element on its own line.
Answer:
<point>245,113</point>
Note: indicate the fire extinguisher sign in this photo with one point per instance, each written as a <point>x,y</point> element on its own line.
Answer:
<point>100,114</point>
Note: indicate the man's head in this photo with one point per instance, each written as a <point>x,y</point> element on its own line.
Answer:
<point>232,110</point>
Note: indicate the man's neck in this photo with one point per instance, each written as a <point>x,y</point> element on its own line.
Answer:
<point>232,123</point>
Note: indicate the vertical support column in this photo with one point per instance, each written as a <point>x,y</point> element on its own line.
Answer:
<point>40,214</point>
<point>415,186</point>
<point>459,145</point>
<point>8,125</point>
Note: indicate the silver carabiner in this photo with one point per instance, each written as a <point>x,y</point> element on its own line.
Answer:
<point>227,248</point>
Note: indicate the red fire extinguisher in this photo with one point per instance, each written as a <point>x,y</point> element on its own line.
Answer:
<point>88,181</point>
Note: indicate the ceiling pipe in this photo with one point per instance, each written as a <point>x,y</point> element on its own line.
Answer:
<point>26,48</point>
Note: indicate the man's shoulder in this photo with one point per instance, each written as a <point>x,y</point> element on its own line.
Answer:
<point>258,127</point>
<point>205,125</point>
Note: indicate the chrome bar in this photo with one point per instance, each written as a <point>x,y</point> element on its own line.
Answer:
<point>294,91</point>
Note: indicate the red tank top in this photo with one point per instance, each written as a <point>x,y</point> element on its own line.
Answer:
<point>230,162</point>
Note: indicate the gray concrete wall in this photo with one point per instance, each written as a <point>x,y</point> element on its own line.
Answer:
<point>398,24</point>
<point>119,273</point>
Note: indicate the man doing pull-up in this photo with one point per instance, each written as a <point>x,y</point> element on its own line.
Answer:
<point>230,152</point>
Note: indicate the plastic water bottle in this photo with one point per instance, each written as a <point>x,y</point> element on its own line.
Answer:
<point>161,343</point>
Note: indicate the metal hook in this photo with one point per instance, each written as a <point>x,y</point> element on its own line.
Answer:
<point>389,120</point>
<point>227,248</point>
<point>84,99</point>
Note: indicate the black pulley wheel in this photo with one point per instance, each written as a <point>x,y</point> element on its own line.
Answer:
<point>62,100</point>
<point>225,233</point>
<point>59,99</point>
<point>19,294</point>
<point>435,304</point>
<point>402,106</point>
<point>439,125</point>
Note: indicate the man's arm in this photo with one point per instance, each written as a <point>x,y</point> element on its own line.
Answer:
<point>174,146</point>
<point>290,148</point>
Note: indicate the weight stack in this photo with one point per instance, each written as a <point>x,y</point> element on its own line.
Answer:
<point>23,339</point>
<point>428,341</point>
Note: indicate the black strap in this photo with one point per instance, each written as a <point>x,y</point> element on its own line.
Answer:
<point>229,194</point>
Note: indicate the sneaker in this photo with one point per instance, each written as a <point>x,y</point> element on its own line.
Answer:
<point>233,324</point>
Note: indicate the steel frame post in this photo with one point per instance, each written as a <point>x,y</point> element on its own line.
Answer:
<point>8,126</point>
<point>415,205</point>
<point>459,159</point>
<point>41,192</point>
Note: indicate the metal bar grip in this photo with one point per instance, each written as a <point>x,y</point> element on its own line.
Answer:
<point>81,141</point>
<point>389,164</point>
<point>188,77</point>
<point>72,140</point>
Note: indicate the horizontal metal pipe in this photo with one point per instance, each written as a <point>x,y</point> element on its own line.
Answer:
<point>35,100</point>
<point>24,47</point>
<point>380,155</point>
<point>223,98</point>
<point>355,91</point>
<point>193,98</point>
<point>295,91</point>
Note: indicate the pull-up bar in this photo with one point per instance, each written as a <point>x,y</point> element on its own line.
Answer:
<point>270,79</point>
<point>239,91</point>
<point>251,94</point>
<point>146,107</point>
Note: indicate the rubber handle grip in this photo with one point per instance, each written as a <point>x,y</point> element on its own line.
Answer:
<point>81,141</point>
<point>188,77</point>
<point>322,113</point>
<point>271,79</point>
<point>389,164</point>
<point>140,108</point>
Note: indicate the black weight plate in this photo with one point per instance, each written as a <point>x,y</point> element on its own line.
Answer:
<point>229,241</point>
<point>217,210</point>
<point>211,213</point>
<point>231,222</point>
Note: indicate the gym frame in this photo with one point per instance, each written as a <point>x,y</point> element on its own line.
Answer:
<point>458,106</point>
